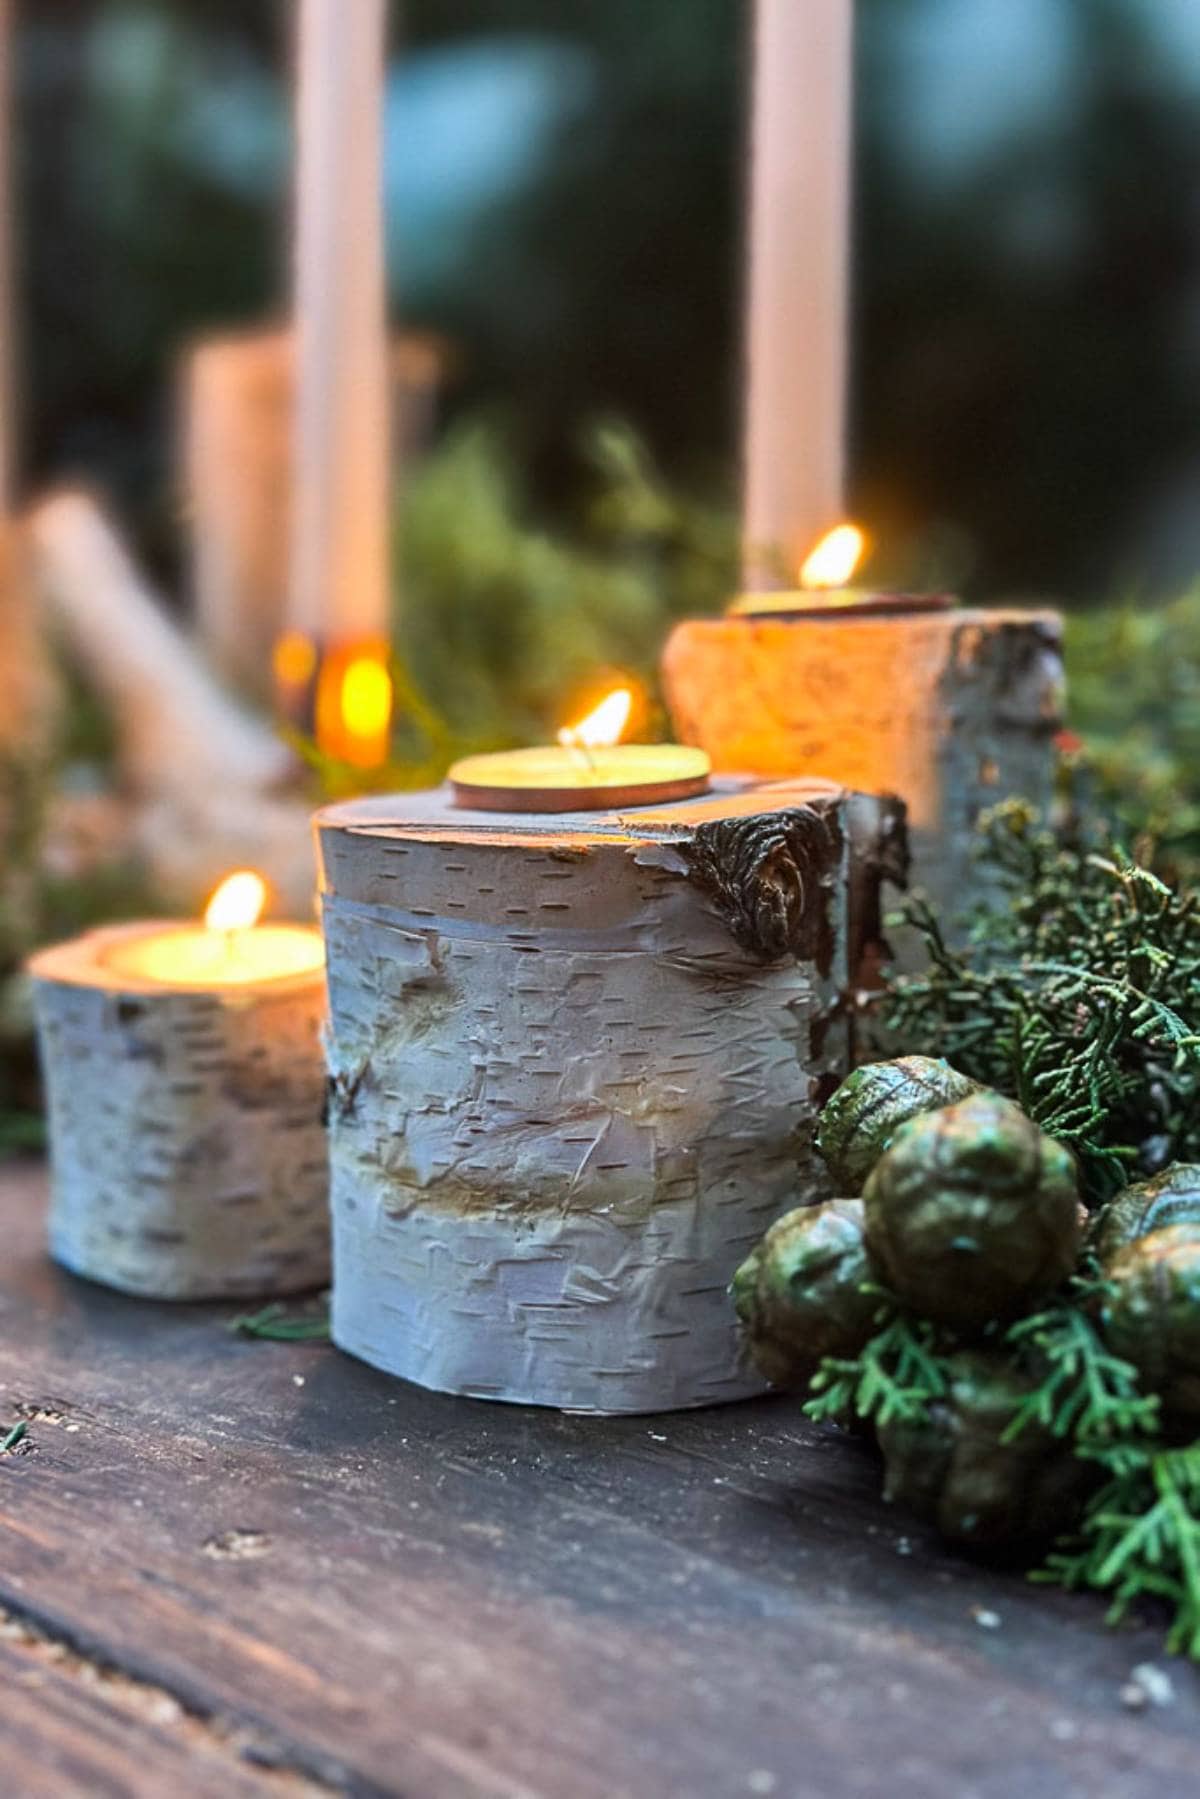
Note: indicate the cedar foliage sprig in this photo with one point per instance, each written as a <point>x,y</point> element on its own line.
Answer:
<point>1140,1537</point>
<point>897,1375</point>
<point>278,1323</point>
<point>1084,1391</point>
<point>1077,993</point>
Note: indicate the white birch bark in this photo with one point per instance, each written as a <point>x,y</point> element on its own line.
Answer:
<point>188,1150</point>
<point>575,1068</point>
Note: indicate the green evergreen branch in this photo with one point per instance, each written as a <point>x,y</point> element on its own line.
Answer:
<point>277,1323</point>
<point>1077,993</point>
<point>1085,1392</point>
<point>1140,1538</point>
<point>897,1375</point>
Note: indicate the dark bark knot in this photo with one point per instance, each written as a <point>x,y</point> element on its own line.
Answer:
<point>341,1092</point>
<point>769,878</point>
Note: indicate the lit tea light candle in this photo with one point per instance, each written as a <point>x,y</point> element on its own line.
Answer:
<point>230,949</point>
<point>587,770</point>
<point>185,1087</point>
<point>824,587</point>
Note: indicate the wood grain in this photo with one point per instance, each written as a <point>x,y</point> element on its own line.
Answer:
<point>412,1595</point>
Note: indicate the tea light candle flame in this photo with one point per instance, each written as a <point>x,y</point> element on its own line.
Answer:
<point>603,725</point>
<point>834,559</point>
<point>237,903</point>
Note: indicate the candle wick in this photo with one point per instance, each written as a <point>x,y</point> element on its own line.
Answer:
<point>571,740</point>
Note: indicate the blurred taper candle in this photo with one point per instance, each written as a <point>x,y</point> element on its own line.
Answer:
<point>794,449</point>
<point>339,598</point>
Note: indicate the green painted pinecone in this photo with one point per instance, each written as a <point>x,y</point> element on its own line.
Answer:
<point>871,1104</point>
<point>1172,1197</point>
<point>972,1213</point>
<point>952,1469</point>
<point>799,1295</point>
<point>1152,1316</point>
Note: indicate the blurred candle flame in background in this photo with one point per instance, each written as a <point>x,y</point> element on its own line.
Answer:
<point>366,698</point>
<point>343,696</point>
<point>834,559</point>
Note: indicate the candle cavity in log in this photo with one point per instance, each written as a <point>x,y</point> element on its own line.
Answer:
<point>575,1064</point>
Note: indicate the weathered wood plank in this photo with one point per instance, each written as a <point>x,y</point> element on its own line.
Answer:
<point>433,1596</point>
<point>70,1727</point>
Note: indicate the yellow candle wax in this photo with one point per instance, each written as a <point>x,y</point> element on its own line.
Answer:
<point>561,778</point>
<point>230,949</point>
<point>194,956</point>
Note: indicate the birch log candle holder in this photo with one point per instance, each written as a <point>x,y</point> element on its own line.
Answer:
<point>185,1085</point>
<point>575,1065</point>
<point>951,709</point>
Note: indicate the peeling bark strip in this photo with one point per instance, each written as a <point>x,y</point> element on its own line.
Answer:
<point>950,710</point>
<point>188,1154</point>
<point>572,1069</point>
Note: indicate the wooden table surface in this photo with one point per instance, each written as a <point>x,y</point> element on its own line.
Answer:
<point>235,1567</point>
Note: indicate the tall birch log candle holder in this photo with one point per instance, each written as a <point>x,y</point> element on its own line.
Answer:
<point>575,1065</point>
<point>950,708</point>
<point>185,1084</point>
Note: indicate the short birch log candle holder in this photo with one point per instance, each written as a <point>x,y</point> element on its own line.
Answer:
<point>575,1066</point>
<point>951,709</point>
<point>188,1148</point>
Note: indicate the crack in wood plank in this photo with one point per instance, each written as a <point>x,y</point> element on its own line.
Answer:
<point>279,1768</point>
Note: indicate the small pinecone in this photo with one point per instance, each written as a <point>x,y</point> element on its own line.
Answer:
<point>952,1468</point>
<point>871,1104</point>
<point>972,1213</point>
<point>1172,1197</point>
<point>799,1295</point>
<point>1152,1316</point>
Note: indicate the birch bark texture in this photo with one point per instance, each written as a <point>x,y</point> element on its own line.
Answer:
<point>188,1149</point>
<point>952,711</point>
<point>575,1066</point>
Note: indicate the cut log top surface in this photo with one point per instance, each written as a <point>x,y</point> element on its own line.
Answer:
<point>434,815</point>
<point>932,621</point>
